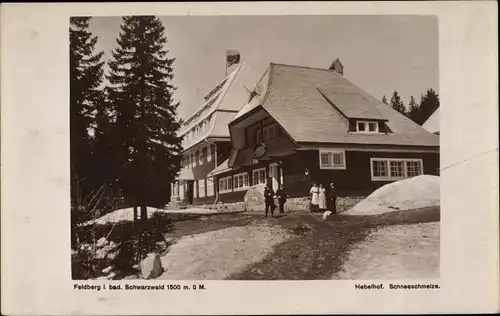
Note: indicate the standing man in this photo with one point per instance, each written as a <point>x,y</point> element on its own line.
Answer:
<point>332,197</point>
<point>269,200</point>
<point>281,194</point>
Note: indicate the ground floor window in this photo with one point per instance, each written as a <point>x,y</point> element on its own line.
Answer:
<point>259,176</point>
<point>332,159</point>
<point>392,169</point>
<point>240,181</point>
<point>201,184</point>
<point>210,186</point>
<point>225,184</point>
<point>195,189</point>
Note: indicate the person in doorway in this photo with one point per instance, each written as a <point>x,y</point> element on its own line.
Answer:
<point>332,198</point>
<point>281,194</point>
<point>322,198</point>
<point>269,200</point>
<point>314,198</point>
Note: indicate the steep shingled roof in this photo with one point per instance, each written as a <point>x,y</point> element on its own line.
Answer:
<point>312,104</point>
<point>222,106</point>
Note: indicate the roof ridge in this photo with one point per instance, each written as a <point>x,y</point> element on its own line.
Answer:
<point>305,67</point>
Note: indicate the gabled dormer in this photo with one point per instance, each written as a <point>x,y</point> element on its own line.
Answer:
<point>368,126</point>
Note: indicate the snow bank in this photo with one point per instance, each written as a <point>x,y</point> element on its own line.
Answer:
<point>417,192</point>
<point>124,214</point>
<point>127,214</point>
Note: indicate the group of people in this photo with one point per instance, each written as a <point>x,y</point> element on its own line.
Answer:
<point>269,196</point>
<point>323,199</point>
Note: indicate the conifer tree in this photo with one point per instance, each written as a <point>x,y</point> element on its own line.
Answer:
<point>86,96</point>
<point>141,94</point>
<point>412,108</point>
<point>384,99</point>
<point>397,103</point>
<point>428,105</point>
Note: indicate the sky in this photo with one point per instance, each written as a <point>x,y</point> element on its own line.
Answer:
<point>380,53</point>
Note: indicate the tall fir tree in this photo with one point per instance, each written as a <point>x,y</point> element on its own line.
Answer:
<point>86,96</point>
<point>384,99</point>
<point>412,108</point>
<point>429,103</point>
<point>141,94</point>
<point>397,103</point>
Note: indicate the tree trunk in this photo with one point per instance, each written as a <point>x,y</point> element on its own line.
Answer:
<point>144,213</point>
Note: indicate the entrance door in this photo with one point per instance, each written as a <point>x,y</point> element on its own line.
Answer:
<point>274,174</point>
<point>189,193</point>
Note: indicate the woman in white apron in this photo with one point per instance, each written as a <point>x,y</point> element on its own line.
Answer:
<point>322,198</point>
<point>314,198</point>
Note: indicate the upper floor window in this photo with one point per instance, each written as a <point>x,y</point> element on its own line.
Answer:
<point>367,126</point>
<point>332,159</point>
<point>204,154</point>
<point>267,133</point>
<point>270,132</point>
<point>209,153</point>
<point>198,162</point>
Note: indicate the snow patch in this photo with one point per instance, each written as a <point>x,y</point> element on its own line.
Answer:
<point>413,193</point>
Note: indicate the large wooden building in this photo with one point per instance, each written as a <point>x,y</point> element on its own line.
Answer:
<point>206,142</point>
<point>302,125</point>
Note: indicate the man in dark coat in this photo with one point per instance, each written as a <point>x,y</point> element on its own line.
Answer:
<point>281,194</point>
<point>269,200</point>
<point>332,198</point>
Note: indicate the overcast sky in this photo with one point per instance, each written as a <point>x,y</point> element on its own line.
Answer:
<point>380,53</point>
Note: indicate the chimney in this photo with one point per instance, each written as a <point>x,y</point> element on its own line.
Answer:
<point>337,67</point>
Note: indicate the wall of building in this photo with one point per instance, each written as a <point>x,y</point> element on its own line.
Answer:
<point>355,180</point>
<point>200,172</point>
<point>353,184</point>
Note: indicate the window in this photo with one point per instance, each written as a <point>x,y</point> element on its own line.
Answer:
<point>201,184</point>
<point>270,132</point>
<point>397,169</point>
<point>367,127</point>
<point>197,161</point>
<point>226,184</point>
<point>379,169</point>
<point>392,169</point>
<point>332,159</point>
<point>259,176</point>
<point>258,136</point>
<point>209,153</point>
<point>240,181</point>
<point>204,154</point>
<point>195,189</point>
<point>414,168</point>
<point>210,186</point>
<point>192,160</point>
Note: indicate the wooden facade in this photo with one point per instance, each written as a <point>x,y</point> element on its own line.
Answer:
<point>298,171</point>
